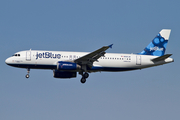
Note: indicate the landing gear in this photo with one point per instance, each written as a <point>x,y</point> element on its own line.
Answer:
<point>27,76</point>
<point>83,80</point>
<point>28,70</point>
<point>84,76</point>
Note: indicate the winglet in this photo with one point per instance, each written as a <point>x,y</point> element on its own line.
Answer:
<point>110,46</point>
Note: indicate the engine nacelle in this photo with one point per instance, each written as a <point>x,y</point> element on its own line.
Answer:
<point>64,74</point>
<point>61,65</point>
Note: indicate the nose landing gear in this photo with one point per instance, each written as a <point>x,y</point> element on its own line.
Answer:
<point>27,75</point>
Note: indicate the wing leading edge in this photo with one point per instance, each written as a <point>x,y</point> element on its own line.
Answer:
<point>92,57</point>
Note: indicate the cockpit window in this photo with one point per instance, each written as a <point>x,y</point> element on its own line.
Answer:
<point>16,55</point>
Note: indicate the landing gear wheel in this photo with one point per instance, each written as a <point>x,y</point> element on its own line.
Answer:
<point>83,80</point>
<point>27,76</point>
<point>86,75</point>
<point>28,70</point>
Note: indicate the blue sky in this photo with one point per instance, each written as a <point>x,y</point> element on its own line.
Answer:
<point>84,25</point>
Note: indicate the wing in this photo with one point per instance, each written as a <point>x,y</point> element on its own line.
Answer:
<point>93,56</point>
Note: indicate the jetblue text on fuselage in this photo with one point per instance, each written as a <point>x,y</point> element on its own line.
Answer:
<point>47,55</point>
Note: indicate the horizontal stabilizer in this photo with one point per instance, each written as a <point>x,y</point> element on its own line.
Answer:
<point>161,58</point>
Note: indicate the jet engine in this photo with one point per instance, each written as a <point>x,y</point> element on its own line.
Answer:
<point>64,74</point>
<point>61,65</point>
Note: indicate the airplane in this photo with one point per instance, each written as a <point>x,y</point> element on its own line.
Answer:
<point>67,64</point>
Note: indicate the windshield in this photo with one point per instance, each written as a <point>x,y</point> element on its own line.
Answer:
<point>16,55</point>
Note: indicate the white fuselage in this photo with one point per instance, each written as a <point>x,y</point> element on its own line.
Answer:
<point>67,64</point>
<point>110,62</point>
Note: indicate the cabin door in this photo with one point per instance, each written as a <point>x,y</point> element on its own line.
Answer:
<point>138,60</point>
<point>28,55</point>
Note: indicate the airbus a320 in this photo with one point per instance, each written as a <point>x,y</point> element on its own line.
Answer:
<point>67,64</point>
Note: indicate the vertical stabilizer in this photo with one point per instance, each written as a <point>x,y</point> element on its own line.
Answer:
<point>158,45</point>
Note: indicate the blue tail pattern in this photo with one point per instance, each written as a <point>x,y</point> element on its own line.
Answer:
<point>158,45</point>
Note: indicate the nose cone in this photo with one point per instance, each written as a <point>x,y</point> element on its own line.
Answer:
<point>8,61</point>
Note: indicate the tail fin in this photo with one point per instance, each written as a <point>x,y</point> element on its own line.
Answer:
<point>158,45</point>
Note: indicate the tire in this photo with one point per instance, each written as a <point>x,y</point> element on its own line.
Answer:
<point>27,76</point>
<point>83,80</point>
<point>86,75</point>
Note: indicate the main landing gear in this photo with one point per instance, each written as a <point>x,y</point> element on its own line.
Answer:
<point>27,75</point>
<point>84,76</point>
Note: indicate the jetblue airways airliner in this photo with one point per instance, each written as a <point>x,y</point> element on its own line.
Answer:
<point>67,64</point>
